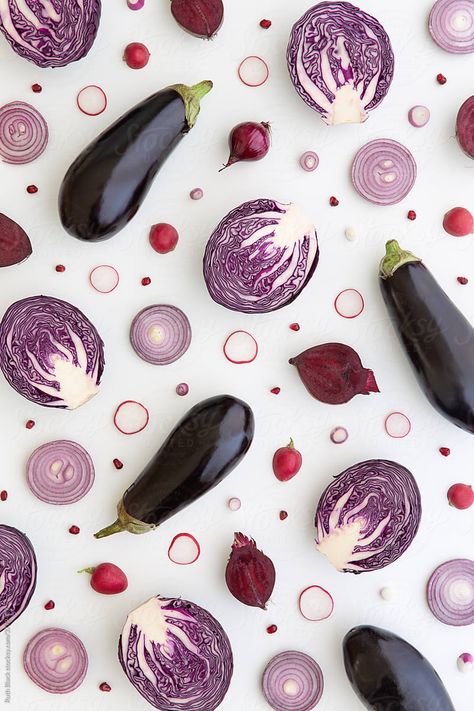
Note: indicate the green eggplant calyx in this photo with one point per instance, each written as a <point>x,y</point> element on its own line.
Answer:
<point>191,96</point>
<point>395,257</point>
<point>124,522</point>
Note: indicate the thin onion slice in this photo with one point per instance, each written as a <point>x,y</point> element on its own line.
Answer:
<point>397,425</point>
<point>160,334</point>
<point>450,592</point>
<point>60,472</point>
<point>339,435</point>
<point>253,71</point>
<point>131,417</point>
<point>240,347</point>
<point>184,549</point>
<point>196,194</point>
<point>292,681</point>
<point>309,161</point>
<point>315,603</point>
<point>56,660</point>
<point>92,100</point>
<point>349,303</point>
<point>383,172</point>
<point>104,278</point>
<point>451,24</point>
<point>419,116</point>
<point>23,133</point>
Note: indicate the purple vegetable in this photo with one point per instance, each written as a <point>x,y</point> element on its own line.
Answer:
<point>368,516</point>
<point>383,171</point>
<point>465,127</point>
<point>50,34</point>
<point>340,61</point>
<point>50,352</point>
<point>176,655</point>
<point>450,592</point>
<point>23,133</point>
<point>292,681</point>
<point>15,245</point>
<point>56,660</point>
<point>160,334</point>
<point>451,25</point>
<point>260,256</point>
<point>60,472</point>
<point>17,574</point>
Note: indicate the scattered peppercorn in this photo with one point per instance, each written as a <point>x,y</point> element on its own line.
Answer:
<point>74,530</point>
<point>31,189</point>
<point>411,215</point>
<point>271,629</point>
<point>333,201</point>
<point>283,515</point>
<point>295,326</point>
<point>445,451</point>
<point>441,79</point>
<point>463,280</point>
<point>118,464</point>
<point>105,687</point>
<point>30,424</point>
<point>37,88</point>
<point>50,605</point>
<point>146,281</point>
<point>275,391</point>
<point>3,495</point>
<point>60,268</point>
<point>265,24</point>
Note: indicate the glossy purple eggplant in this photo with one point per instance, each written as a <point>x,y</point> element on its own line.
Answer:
<point>203,448</point>
<point>106,184</point>
<point>436,336</point>
<point>388,674</point>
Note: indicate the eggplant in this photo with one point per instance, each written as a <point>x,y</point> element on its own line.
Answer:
<point>106,184</point>
<point>438,339</point>
<point>203,448</point>
<point>388,674</point>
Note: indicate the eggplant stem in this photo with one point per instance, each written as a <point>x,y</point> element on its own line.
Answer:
<point>115,527</point>
<point>395,257</point>
<point>191,96</point>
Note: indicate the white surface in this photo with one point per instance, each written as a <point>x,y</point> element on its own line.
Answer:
<point>445,179</point>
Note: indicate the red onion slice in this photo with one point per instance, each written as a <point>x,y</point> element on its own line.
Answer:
<point>104,278</point>
<point>160,334</point>
<point>418,116</point>
<point>451,24</point>
<point>349,303</point>
<point>309,161</point>
<point>56,660</point>
<point>253,71</point>
<point>131,417</point>
<point>383,172</point>
<point>316,603</point>
<point>184,549</point>
<point>60,472</point>
<point>450,592</point>
<point>234,503</point>
<point>292,681</point>
<point>23,133</point>
<point>92,100</point>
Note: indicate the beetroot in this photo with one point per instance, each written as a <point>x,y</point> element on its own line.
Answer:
<point>15,245</point>
<point>250,574</point>
<point>201,18</point>
<point>465,127</point>
<point>333,373</point>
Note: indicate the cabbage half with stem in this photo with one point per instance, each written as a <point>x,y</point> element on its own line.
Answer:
<point>260,256</point>
<point>177,655</point>
<point>340,61</point>
<point>50,33</point>
<point>50,352</point>
<point>368,516</point>
<point>17,574</point>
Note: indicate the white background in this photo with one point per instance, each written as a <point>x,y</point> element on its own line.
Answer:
<point>445,179</point>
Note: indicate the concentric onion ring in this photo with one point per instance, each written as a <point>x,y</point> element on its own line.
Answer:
<point>56,660</point>
<point>160,334</point>
<point>60,472</point>
<point>292,681</point>
<point>450,592</point>
<point>383,172</point>
<point>451,25</point>
<point>23,133</point>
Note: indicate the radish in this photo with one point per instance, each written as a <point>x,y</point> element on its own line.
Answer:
<point>107,579</point>
<point>131,417</point>
<point>240,347</point>
<point>104,278</point>
<point>136,55</point>
<point>163,237</point>
<point>287,462</point>
<point>184,549</point>
<point>397,425</point>
<point>458,222</point>
<point>349,303</point>
<point>253,71</point>
<point>92,100</point>
<point>461,496</point>
<point>315,603</point>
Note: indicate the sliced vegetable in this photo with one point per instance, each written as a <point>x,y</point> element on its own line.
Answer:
<point>397,425</point>
<point>50,352</point>
<point>315,603</point>
<point>253,71</point>
<point>160,334</point>
<point>339,435</point>
<point>349,303</point>
<point>163,237</point>
<point>248,141</point>
<point>234,503</point>
<point>465,662</point>
<point>104,278</point>
<point>92,100</point>
<point>106,184</point>
<point>176,655</point>
<point>136,55</point>
<point>60,472</point>
<point>450,592</point>
<point>15,245</point>
<point>240,347</point>
<point>287,462</point>
<point>250,574</point>
<point>333,373</point>
<point>309,161</point>
<point>419,116</point>
<point>136,4</point>
<point>196,194</point>
<point>368,516</point>
<point>260,256</point>
<point>202,449</point>
<point>340,61</point>
<point>107,578</point>
<point>461,496</point>
<point>182,389</point>
<point>56,660</point>
<point>201,18</point>
<point>465,127</point>
<point>292,681</point>
<point>433,332</point>
<point>458,222</point>
<point>17,574</point>
<point>451,24</point>
<point>23,133</point>
<point>383,171</point>
<point>184,549</point>
<point>131,417</point>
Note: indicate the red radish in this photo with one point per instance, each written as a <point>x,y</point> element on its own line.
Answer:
<point>441,79</point>
<point>287,462</point>
<point>462,280</point>
<point>74,530</point>
<point>131,417</point>
<point>196,193</point>
<point>36,88</point>
<point>411,214</point>
<point>240,347</point>
<point>461,496</point>
<point>30,424</point>
<point>104,278</point>
<point>444,451</point>
<point>50,605</point>
<point>107,578</point>
<point>184,549</point>
<point>92,100</point>
<point>182,389</point>
<point>201,18</point>
<point>250,574</point>
<point>397,425</point>
<point>349,303</point>
<point>309,161</point>
<point>333,201</point>
<point>136,55</point>
<point>265,24</point>
<point>117,463</point>
<point>104,686</point>
<point>271,629</point>
<point>458,222</point>
<point>253,71</point>
<point>315,603</point>
<point>248,141</point>
<point>419,116</point>
<point>146,281</point>
<point>163,237</point>
<point>234,503</point>
<point>60,268</point>
<point>339,435</point>
<point>3,495</point>
<point>31,189</point>
<point>283,515</point>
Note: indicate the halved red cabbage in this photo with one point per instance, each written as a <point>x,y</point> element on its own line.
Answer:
<point>260,256</point>
<point>177,655</point>
<point>340,61</point>
<point>50,352</point>
<point>368,516</point>
<point>17,574</point>
<point>50,33</point>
